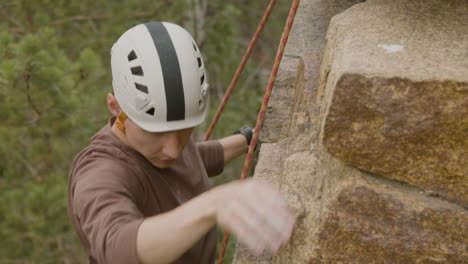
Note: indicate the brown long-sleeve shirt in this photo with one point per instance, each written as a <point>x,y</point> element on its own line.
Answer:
<point>112,188</point>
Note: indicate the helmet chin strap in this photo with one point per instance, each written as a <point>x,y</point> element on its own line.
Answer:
<point>120,122</point>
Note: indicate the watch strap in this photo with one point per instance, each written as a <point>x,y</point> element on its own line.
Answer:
<point>247,132</point>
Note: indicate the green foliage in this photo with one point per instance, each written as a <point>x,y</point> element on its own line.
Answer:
<point>54,77</point>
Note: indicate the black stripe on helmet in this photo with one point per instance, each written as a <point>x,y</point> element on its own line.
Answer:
<point>172,76</point>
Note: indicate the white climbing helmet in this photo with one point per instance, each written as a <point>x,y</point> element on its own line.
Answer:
<point>159,78</point>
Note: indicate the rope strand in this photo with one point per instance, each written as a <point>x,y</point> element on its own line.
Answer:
<point>261,115</point>
<point>240,68</point>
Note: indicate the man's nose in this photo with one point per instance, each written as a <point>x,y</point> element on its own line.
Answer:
<point>171,146</point>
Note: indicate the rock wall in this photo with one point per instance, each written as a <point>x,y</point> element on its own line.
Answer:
<point>366,133</point>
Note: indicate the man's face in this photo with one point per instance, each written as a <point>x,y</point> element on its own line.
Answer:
<point>160,148</point>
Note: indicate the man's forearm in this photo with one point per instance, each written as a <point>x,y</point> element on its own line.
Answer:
<point>164,238</point>
<point>233,146</point>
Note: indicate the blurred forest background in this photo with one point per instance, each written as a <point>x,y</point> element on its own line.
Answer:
<point>54,77</point>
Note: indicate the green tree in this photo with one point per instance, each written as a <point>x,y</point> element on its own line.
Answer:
<point>54,76</point>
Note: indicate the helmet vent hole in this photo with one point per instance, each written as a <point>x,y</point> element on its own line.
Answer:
<point>137,70</point>
<point>199,62</point>
<point>150,111</point>
<point>202,79</point>
<point>132,56</point>
<point>194,47</point>
<point>141,88</point>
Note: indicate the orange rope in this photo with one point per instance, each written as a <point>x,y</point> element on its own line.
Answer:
<point>239,70</point>
<point>261,115</point>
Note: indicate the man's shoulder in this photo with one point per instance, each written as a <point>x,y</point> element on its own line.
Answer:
<point>92,165</point>
<point>103,159</point>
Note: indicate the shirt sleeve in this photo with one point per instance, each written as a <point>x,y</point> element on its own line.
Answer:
<point>108,216</point>
<point>212,155</point>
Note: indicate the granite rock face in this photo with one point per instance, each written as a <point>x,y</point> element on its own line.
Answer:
<point>377,222</point>
<point>411,131</point>
<point>364,134</point>
<point>395,92</point>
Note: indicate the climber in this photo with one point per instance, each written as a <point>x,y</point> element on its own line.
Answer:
<point>139,193</point>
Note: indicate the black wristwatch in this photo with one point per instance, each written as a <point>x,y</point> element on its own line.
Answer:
<point>247,132</point>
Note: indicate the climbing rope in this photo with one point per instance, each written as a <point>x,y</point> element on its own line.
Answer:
<point>266,98</point>
<point>240,68</point>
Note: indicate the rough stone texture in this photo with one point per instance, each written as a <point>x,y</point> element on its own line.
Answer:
<point>377,222</point>
<point>400,111</point>
<point>345,214</point>
<point>282,100</point>
<point>414,132</point>
<point>306,44</point>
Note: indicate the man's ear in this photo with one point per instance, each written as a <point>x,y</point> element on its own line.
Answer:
<point>113,106</point>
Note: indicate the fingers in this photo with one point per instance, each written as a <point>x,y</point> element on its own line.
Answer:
<point>273,215</point>
<point>259,217</point>
<point>238,222</point>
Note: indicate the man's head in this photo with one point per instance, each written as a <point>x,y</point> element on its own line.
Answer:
<point>159,148</point>
<point>159,81</point>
